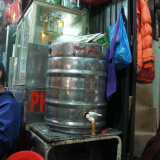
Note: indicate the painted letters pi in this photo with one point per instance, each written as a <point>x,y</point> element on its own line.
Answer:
<point>35,98</point>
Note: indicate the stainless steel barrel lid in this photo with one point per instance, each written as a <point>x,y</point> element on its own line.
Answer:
<point>78,49</point>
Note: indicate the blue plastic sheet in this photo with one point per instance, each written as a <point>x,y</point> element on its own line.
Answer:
<point>122,55</point>
<point>11,118</point>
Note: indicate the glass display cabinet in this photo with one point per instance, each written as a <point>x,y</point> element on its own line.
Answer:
<point>44,23</point>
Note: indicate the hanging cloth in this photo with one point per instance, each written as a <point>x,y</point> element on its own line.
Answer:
<point>145,54</point>
<point>13,13</point>
<point>112,81</point>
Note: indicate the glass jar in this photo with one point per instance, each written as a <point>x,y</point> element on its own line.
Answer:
<point>69,3</point>
<point>60,24</point>
<point>56,1</point>
<point>66,3</point>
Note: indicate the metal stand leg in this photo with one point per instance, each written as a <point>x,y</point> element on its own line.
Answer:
<point>119,147</point>
<point>47,152</point>
<point>43,148</point>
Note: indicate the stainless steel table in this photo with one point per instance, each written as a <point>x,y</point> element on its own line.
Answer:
<point>45,139</point>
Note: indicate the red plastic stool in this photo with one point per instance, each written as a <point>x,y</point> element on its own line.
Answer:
<point>27,155</point>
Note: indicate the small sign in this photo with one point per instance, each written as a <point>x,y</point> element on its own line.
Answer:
<point>37,97</point>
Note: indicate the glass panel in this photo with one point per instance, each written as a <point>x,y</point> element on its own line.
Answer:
<point>72,25</point>
<point>24,46</point>
<point>34,30</point>
<point>15,68</point>
<point>17,51</point>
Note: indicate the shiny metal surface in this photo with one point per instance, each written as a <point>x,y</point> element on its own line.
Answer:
<point>18,92</point>
<point>75,71</point>
<point>81,83</point>
<point>76,95</point>
<point>78,49</point>
<point>10,74</point>
<point>37,115</point>
<point>76,84</point>
<point>43,141</point>
<point>37,60</point>
<point>76,90</point>
<point>70,118</point>
<point>77,63</point>
<point>9,41</point>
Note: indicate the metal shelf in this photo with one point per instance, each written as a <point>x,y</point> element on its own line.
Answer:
<point>46,32</point>
<point>49,135</point>
<point>46,139</point>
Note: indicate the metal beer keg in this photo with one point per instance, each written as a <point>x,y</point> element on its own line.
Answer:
<point>76,85</point>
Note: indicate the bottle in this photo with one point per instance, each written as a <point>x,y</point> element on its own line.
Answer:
<point>49,43</point>
<point>74,4</point>
<point>87,31</point>
<point>56,1</point>
<point>84,7</point>
<point>79,5</point>
<point>49,27</point>
<point>67,3</point>
<point>52,22</point>
<point>55,26</point>
<point>46,22</point>
<point>47,1</point>
<point>60,24</point>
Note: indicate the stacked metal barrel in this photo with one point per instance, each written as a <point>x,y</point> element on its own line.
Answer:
<point>76,85</point>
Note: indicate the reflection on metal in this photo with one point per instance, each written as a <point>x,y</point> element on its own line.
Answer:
<point>35,116</point>
<point>49,135</point>
<point>76,83</point>
<point>18,83</point>
<point>35,71</point>
<point>77,63</point>
<point>23,95</point>
<point>37,60</point>
<point>10,74</point>
<point>39,130</point>
<point>18,93</point>
<point>8,48</point>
